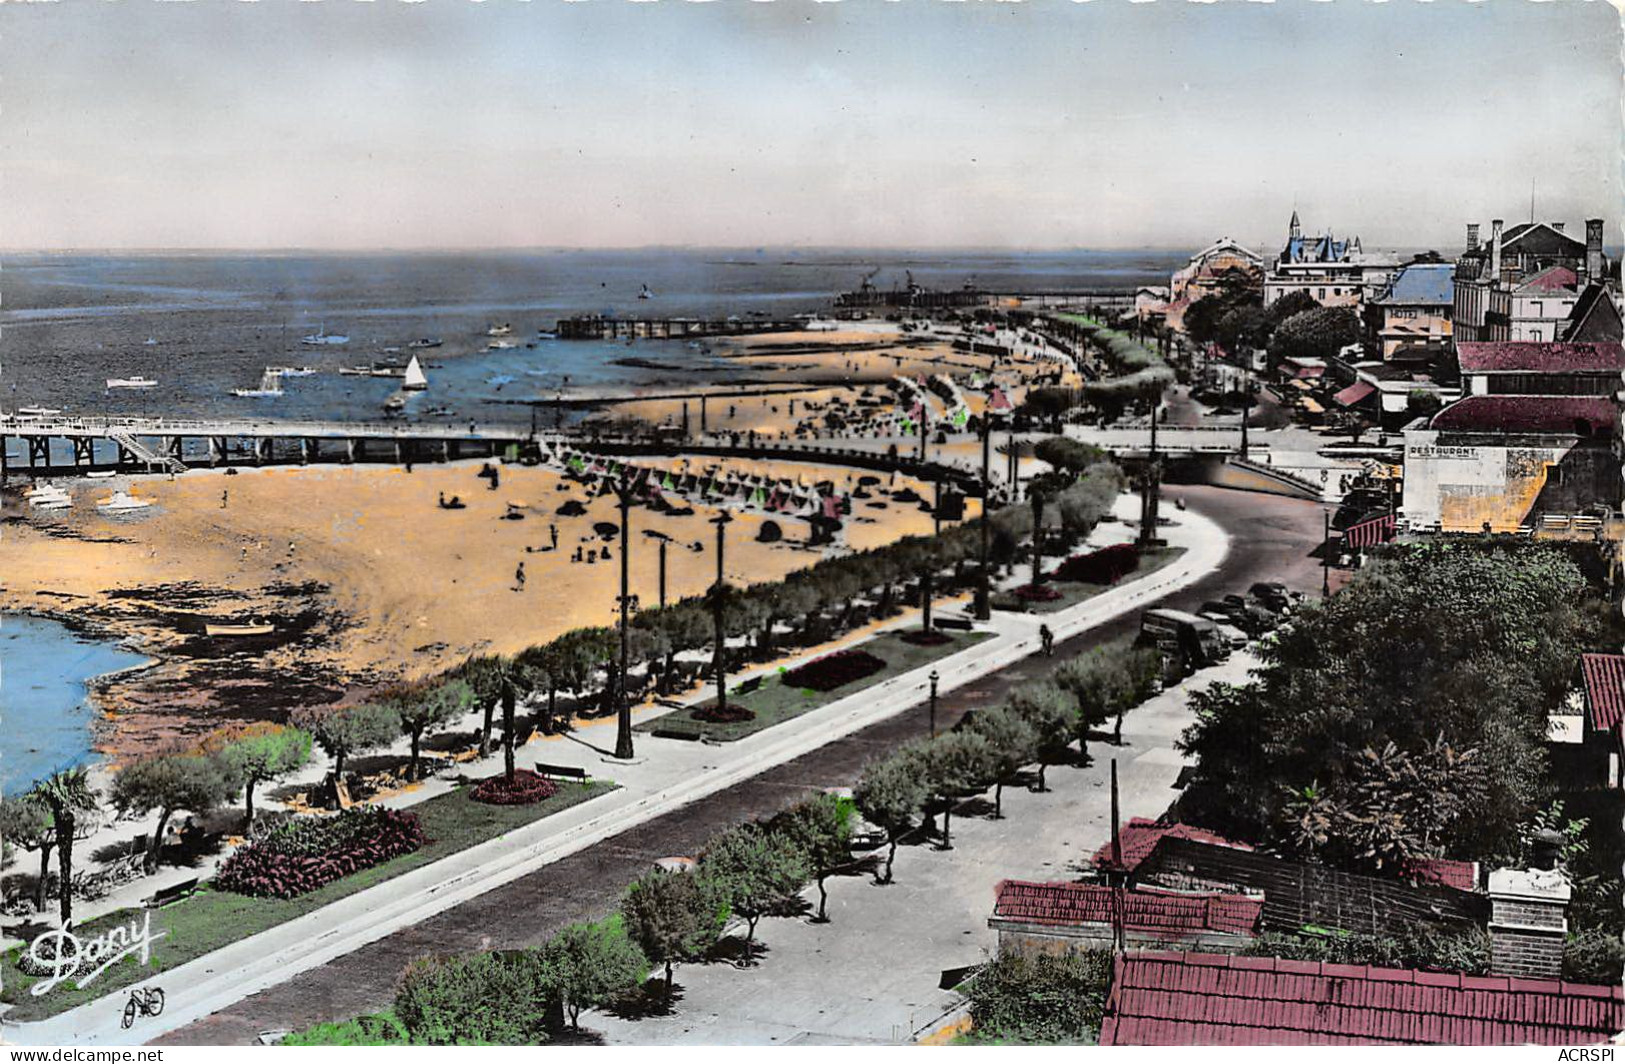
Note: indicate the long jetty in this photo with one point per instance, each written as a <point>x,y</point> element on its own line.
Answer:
<point>602,327</point>
<point>134,444</point>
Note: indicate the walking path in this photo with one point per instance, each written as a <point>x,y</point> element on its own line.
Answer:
<point>669,775</point>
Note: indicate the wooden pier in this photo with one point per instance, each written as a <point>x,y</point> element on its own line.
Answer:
<point>157,445</point>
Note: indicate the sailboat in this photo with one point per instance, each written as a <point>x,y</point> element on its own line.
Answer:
<point>646,293</point>
<point>414,380</point>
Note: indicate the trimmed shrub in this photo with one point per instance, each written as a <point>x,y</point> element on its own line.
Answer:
<point>482,999</point>
<point>527,788</point>
<point>378,1029</point>
<point>733,714</point>
<point>834,670</point>
<point>1107,565</point>
<point>1042,1000</point>
<point>1036,593</point>
<point>1467,952</point>
<point>1593,956</point>
<point>926,639</point>
<point>301,855</point>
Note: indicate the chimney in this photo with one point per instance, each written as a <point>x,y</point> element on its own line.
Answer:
<point>1558,226</point>
<point>1495,250</point>
<point>1472,235</point>
<point>1594,249</point>
<point>1527,922</point>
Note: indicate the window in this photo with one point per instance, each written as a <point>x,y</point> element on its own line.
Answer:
<point>1322,294</point>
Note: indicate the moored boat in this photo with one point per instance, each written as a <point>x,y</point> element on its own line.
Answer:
<point>122,502</point>
<point>131,382</point>
<point>239,629</point>
<point>424,342</point>
<point>414,379</point>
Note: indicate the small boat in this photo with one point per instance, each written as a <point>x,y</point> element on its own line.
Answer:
<point>121,502</point>
<point>239,629</point>
<point>149,342</point>
<point>425,342</point>
<point>322,336</point>
<point>355,371</point>
<point>394,404</point>
<point>386,371</point>
<point>270,386</point>
<point>38,411</point>
<point>646,294</point>
<point>48,497</point>
<point>414,379</point>
<point>297,371</point>
<point>501,345</point>
<point>392,350</point>
<point>102,474</point>
<point>131,382</point>
<point>499,330</point>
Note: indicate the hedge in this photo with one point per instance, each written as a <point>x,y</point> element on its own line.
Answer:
<point>834,670</point>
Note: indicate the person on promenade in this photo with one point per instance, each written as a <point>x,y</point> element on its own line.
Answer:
<point>1047,637</point>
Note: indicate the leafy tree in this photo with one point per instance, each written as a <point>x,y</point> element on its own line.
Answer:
<point>258,753</point>
<point>1052,712</point>
<point>485,676</point>
<point>1069,455</point>
<point>821,829</point>
<point>1013,742</point>
<point>1242,327</point>
<point>349,730</point>
<point>70,798</point>
<point>957,765</point>
<point>1048,404</point>
<point>891,793</point>
<point>1318,333</point>
<point>1290,305</point>
<point>479,999</point>
<point>755,872</point>
<point>590,965</point>
<point>1457,647</point>
<point>1043,999</point>
<point>673,917</point>
<point>28,824</point>
<point>167,783</point>
<point>424,708</point>
<point>1107,683</point>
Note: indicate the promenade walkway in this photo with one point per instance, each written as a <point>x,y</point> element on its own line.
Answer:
<point>668,775</point>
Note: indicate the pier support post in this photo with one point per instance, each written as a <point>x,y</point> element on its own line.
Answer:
<point>445,450</point>
<point>349,450</point>
<point>702,415</point>
<point>304,450</point>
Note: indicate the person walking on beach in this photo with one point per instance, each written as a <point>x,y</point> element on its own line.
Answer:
<point>519,577</point>
<point>225,496</point>
<point>553,531</point>
<point>1047,637</point>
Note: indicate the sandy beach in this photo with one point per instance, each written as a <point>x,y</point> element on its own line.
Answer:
<point>364,576</point>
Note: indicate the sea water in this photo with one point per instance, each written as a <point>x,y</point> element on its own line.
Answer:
<point>45,715</point>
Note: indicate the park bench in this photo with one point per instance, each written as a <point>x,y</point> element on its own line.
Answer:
<point>560,771</point>
<point>748,686</point>
<point>957,624</point>
<point>171,894</point>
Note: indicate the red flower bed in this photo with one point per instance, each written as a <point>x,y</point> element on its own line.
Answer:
<point>305,854</point>
<point>1107,565</point>
<point>527,788</point>
<point>734,714</point>
<point>834,670</point>
<point>1036,593</point>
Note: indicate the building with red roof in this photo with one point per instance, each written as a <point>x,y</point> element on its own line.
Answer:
<point>1056,917</point>
<point>1140,836</point>
<point>1601,732</point>
<point>1216,999</point>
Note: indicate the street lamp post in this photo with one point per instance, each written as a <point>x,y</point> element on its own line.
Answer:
<point>934,679</point>
<point>1246,400</point>
<point>983,604</point>
<point>663,541</point>
<point>623,722</point>
<point>719,660</point>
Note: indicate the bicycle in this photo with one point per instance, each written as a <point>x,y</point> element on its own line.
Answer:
<point>144,1001</point>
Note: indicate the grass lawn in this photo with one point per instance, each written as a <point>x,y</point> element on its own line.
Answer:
<point>774,702</point>
<point>211,919</point>
<point>1151,560</point>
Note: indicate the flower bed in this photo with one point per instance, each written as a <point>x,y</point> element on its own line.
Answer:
<point>1036,593</point>
<point>527,788</point>
<point>926,639</point>
<point>1107,565</point>
<point>834,670</point>
<point>308,853</point>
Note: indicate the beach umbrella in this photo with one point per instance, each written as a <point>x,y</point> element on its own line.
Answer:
<point>607,529</point>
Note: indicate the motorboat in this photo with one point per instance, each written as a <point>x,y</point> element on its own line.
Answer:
<point>501,345</point>
<point>270,386</point>
<point>38,411</point>
<point>355,371</point>
<point>131,382</point>
<point>395,404</point>
<point>499,330</point>
<point>48,497</point>
<point>122,502</point>
<point>424,342</point>
<point>297,371</point>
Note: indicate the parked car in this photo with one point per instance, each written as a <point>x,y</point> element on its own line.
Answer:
<point>1196,639</point>
<point>1274,596</point>
<point>1234,636</point>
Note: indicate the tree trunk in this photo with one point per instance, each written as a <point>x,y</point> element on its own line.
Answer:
<point>1042,786</point>
<point>485,728</point>
<point>750,936</point>
<point>668,981</point>
<point>823,900</point>
<point>508,736</point>
<point>891,855</point>
<point>552,707</point>
<point>947,823</point>
<point>998,800</point>
<point>44,876</point>
<point>338,773</point>
<point>925,600</point>
<point>412,766</point>
<point>248,799</point>
<point>64,861</point>
<point>664,687</point>
<point>150,864</point>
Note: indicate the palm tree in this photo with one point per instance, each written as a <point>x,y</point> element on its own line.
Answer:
<point>67,794</point>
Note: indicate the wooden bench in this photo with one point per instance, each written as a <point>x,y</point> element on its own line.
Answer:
<point>748,686</point>
<point>560,771</point>
<point>956,624</point>
<point>171,894</point>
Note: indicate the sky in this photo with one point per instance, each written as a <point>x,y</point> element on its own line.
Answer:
<point>861,123</point>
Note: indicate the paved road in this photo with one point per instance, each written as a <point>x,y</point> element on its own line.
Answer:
<point>1271,538</point>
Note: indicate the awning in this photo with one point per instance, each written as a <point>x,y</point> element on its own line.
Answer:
<point>1371,532</point>
<point>1357,392</point>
